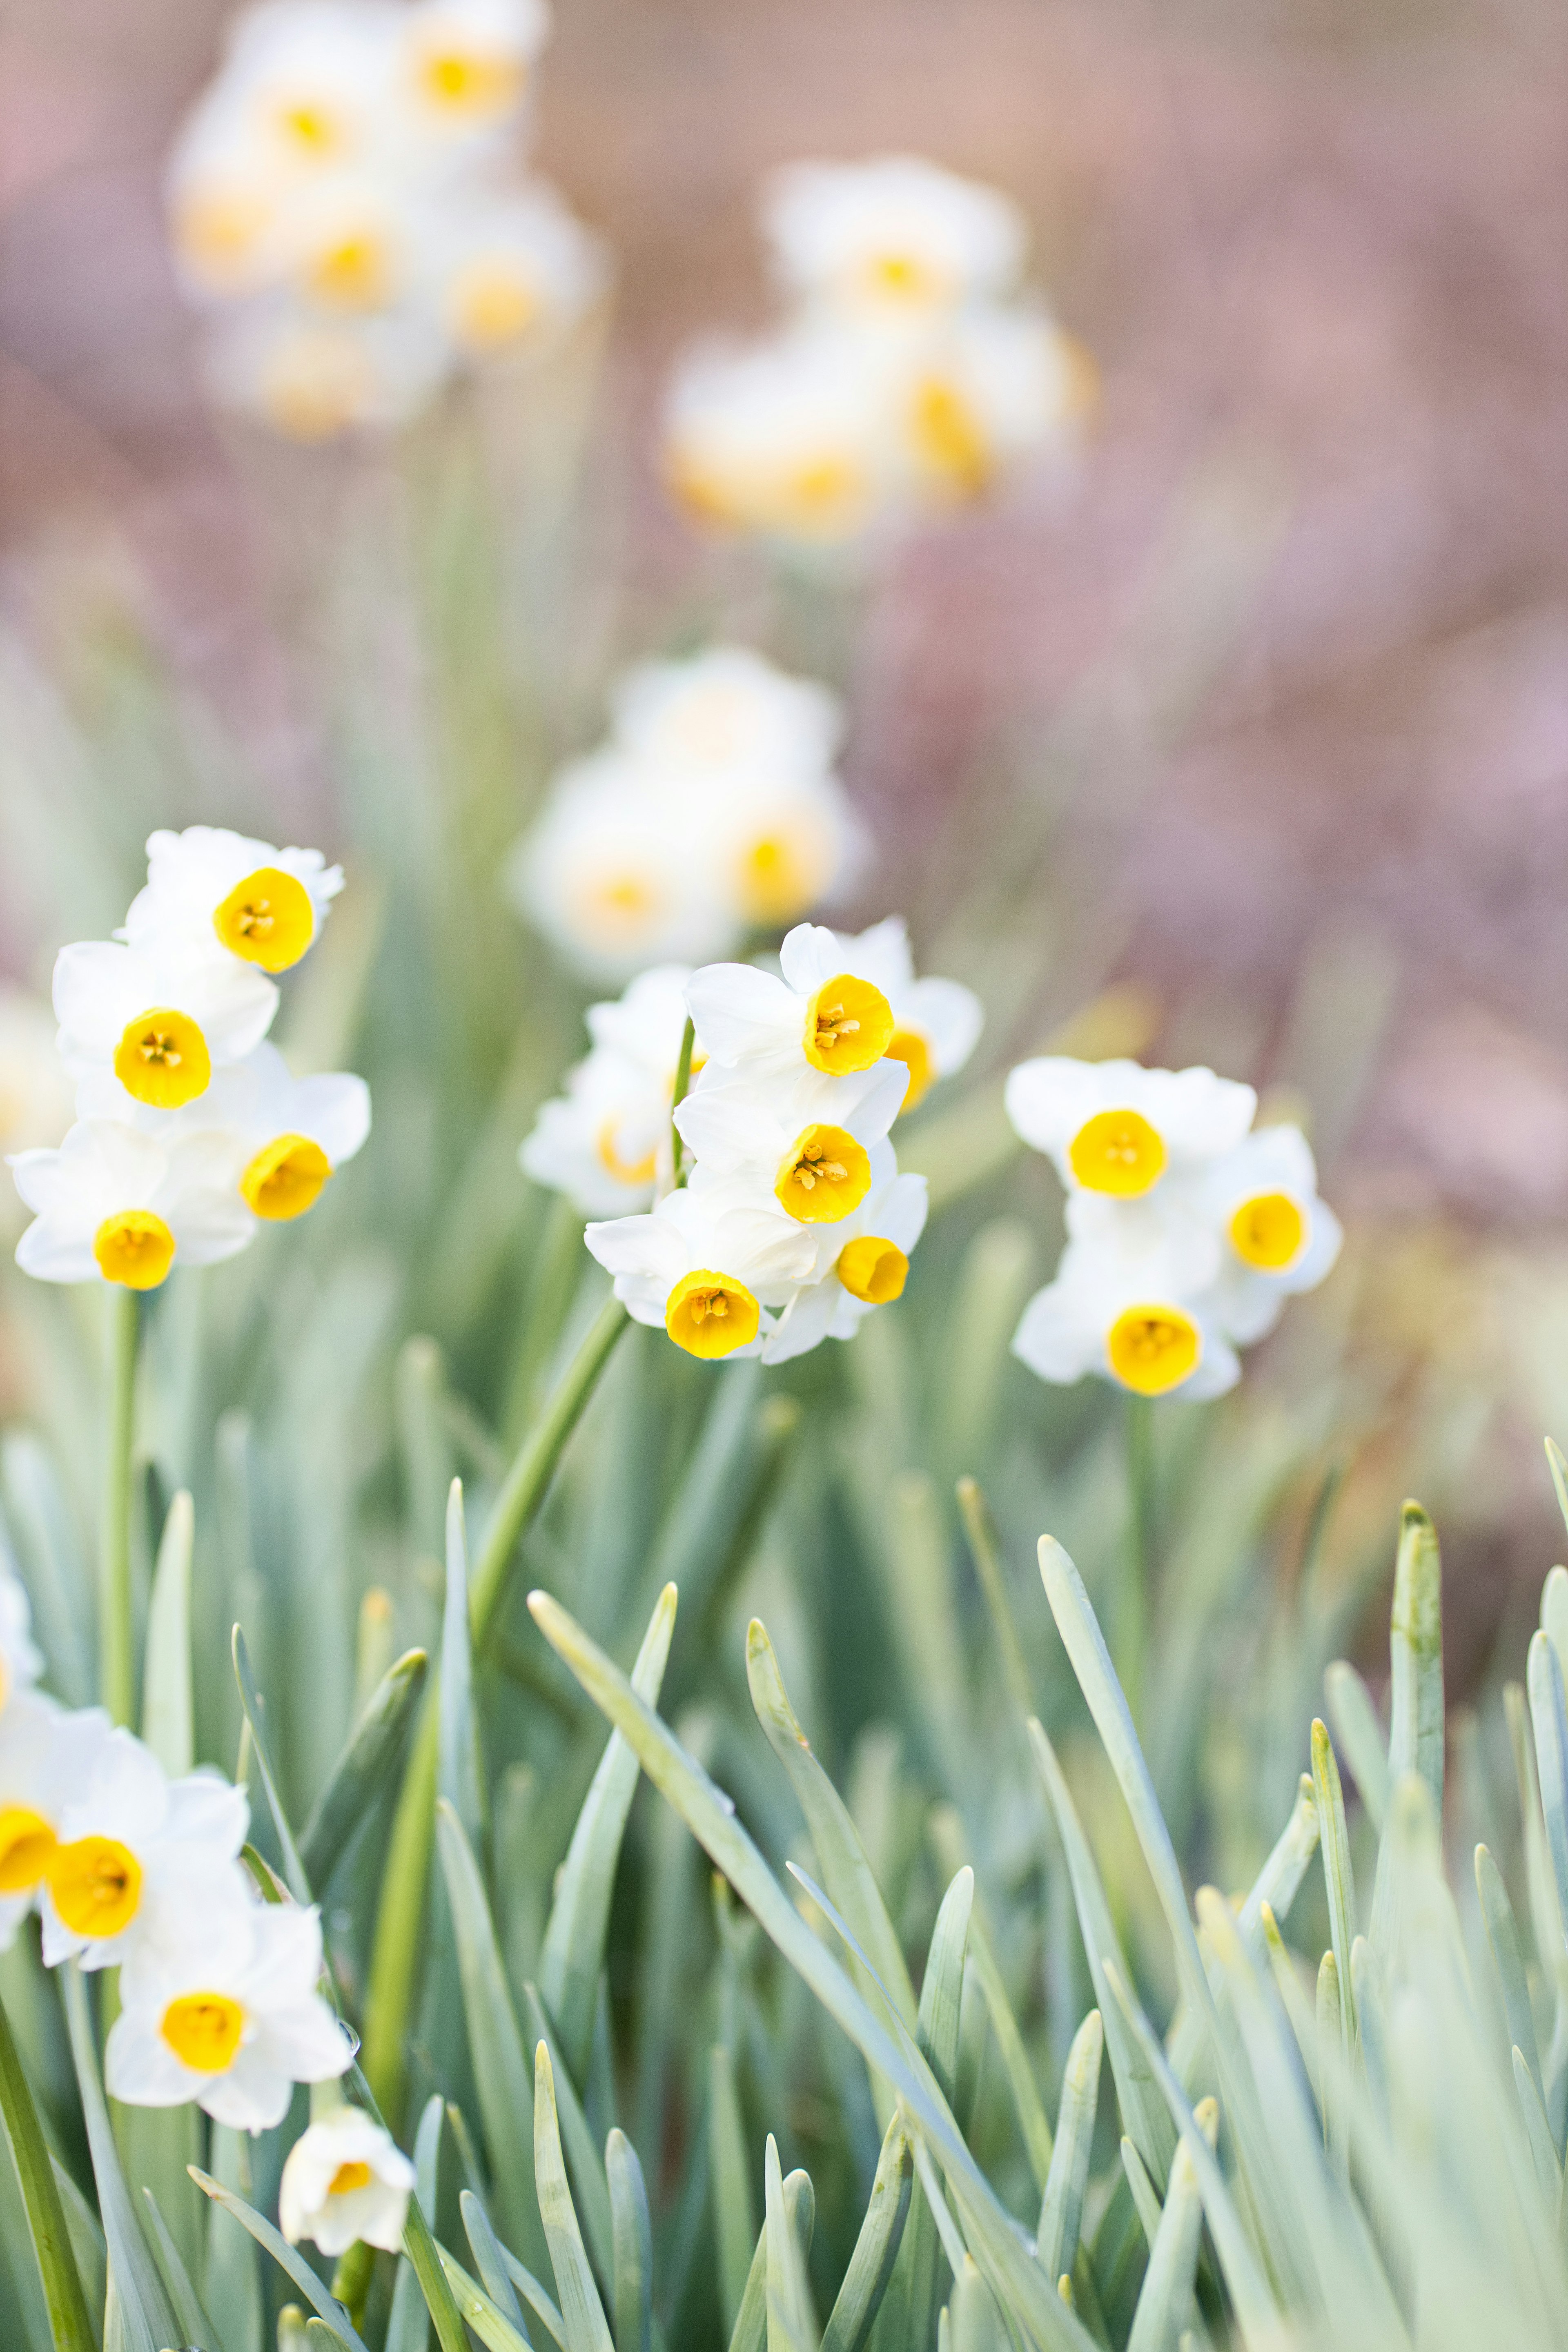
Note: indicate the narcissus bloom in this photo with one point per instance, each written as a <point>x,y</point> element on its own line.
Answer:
<point>936,1022</point>
<point>114,1204</point>
<point>1117,1129</point>
<point>706,1264</point>
<point>265,906</point>
<point>728,715</point>
<point>1277,1238</point>
<point>1133,1310</point>
<point>45,1755</point>
<point>893,233</point>
<point>160,1021</point>
<point>806,1140</point>
<point>869,1267</point>
<point>818,1014</point>
<point>983,391</point>
<point>225,2009</point>
<point>463,66</point>
<point>286,1137</point>
<point>514,268</point>
<point>785,437</point>
<point>345,2180</point>
<point>312,378</point>
<point>602,1142</point>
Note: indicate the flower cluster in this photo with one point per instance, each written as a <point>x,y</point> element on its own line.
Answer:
<point>909,371</point>
<point>712,810</point>
<point>343,201</point>
<point>795,1221</point>
<point>1187,1228</point>
<point>190,1130</point>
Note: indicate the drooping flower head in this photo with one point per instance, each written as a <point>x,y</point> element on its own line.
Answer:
<point>345,2180</point>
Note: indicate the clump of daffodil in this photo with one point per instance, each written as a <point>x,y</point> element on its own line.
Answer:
<point>191,1131</point>
<point>1187,1229</point>
<point>910,371</point>
<point>345,202</point>
<point>712,811</point>
<point>792,1222</point>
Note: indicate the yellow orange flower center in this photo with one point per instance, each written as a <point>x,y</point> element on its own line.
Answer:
<point>26,1843</point>
<point>711,1314</point>
<point>316,385</point>
<point>624,1172</point>
<point>203,2030</point>
<point>353,272</point>
<point>161,1058</point>
<point>824,1175</point>
<point>267,918</point>
<point>1117,1152</point>
<point>308,124</point>
<point>1153,1348</point>
<point>912,1047</point>
<point>904,276</point>
<point>348,2177</point>
<point>284,1178</point>
<point>848,1025</point>
<point>950,438</point>
<point>491,303</point>
<point>778,875</point>
<point>467,81</point>
<point>1267,1232</point>
<point>133,1247</point>
<point>873,1269</point>
<point>95,1885</point>
<point>217,230</point>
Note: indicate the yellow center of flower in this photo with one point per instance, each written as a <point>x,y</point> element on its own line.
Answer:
<point>820,493</point>
<point>624,1172</point>
<point>316,385</point>
<point>903,276</point>
<point>26,1843</point>
<point>913,1049</point>
<point>621,904</point>
<point>873,1270</point>
<point>353,272</point>
<point>217,230</point>
<point>284,1178</point>
<point>1153,1348</point>
<point>950,438</point>
<point>307,124</point>
<point>204,2031</point>
<point>267,918</point>
<point>161,1058</point>
<point>96,1885</point>
<point>467,81</point>
<point>711,1314</point>
<point>134,1247</point>
<point>348,2177</point>
<point>823,1176</point>
<point>848,1025</point>
<point>491,303</point>
<point>1267,1232</point>
<point>778,875</point>
<point>1117,1152</point>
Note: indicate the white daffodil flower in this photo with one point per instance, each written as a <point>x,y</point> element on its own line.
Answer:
<point>783,845</point>
<point>869,1267</point>
<point>345,2180</point>
<point>463,67</point>
<point>1115,1127</point>
<point>805,1140</point>
<point>114,1204</point>
<point>983,391</point>
<point>514,268</point>
<point>312,378</point>
<point>1133,1300</point>
<point>265,906</point>
<point>1277,1237</point>
<point>603,1141</point>
<point>789,436</point>
<point>705,1264</point>
<point>225,2011</point>
<point>21,1661</point>
<point>138,1854</point>
<point>160,1021</point>
<point>936,1022</point>
<point>45,1755</point>
<point>728,715</point>
<point>893,233</point>
<point>816,1013</point>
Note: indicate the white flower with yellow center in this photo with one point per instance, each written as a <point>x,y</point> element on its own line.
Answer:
<point>21,1662</point>
<point>983,391</point>
<point>515,267</point>
<point>808,1141</point>
<point>706,1264</point>
<point>1277,1238</point>
<point>345,2180</point>
<point>786,437</point>
<point>726,715</point>
<point>114,1204</point>
<point>1133,1302</point>
<point>870,1266</point>
<point>782,844</point>
<point>895,233</point>
<point>1117,1129</point>
<point>311,377</point>
<point>463,66</point>
<point>226,2010</point>
<point>311,80</point>
<point>816,1015</point>
<point>603,1141</point>
<point>208,886</point>
<point>45,1755</point>
<point>159,1018</point>
<point>936,1022</point>
<point>138,1854</point>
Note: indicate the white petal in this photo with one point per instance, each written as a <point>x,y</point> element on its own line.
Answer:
<point>1056,1340</point>
<point>947,1015</point>
<point>140,2068</point>
<point>253,2096</point>
<point>739,1012</point>
<point>334,1110</point>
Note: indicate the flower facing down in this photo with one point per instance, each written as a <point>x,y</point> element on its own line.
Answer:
<point>345,2180</point>
<point>44,1756</point>
<point>706,1264</point>
<point>893,234</point>
<point>868,1269</point>
<point>225,2009</point>
<point>936,1022</point>
<point>208,887</point>
<point>1138,1311</point>
<point>1277,1237</point>
<point>114,1204</point>
<point>1117,1129</point>
<point>602,1141</point>
<point>159,1018</point>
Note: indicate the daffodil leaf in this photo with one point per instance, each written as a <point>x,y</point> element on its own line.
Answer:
<point>1338,1874</point>
<point>1061,2208</point>
<point>147,2318</point>
<point>1353,1719</point>
<point>538,2298</point>
<point>293,2264</point>
<point>187,2302</point>
<point>1502,1938</point>
<point>429,2269</point>
<point>486,2252</point>
<point>231,2277</point>
<point>320,2336</point>
<point>734,2220</point>
<point>936,2034</point>
<point>632,2242</point>
<point>865,2283</point>
<point>750,2333</point>
<point>581,2310</point>
<point>293,1869</point>
<point>589,2186</point>
<point>361,1770</point>
<point>985,1551</point>
<point>976,2322</point>
<point>480,2310</point>
<point>1559,1469</point>
<point>1548,2167</point>
<point>1142,2188</point>
<point>1168,2291</point>
<point>67,2305</point>
<point>792,2324</point>
<point>167,1712</point>
<point>1549,1720</point>
<point>458,1778</point>
<point>1033,2121</point>
<point>408,2328</point>
<point>1416,1654</point>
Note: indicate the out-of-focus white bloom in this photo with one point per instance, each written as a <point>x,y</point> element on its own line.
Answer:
<point>1115,1127</point>
<point>706,1264</point>
<point>936,1022</point>
<point>984,390</point>
<point>808,1140</point>
<point>463,66</point>
<point>514,267</point>
<point>266,905</point>
<point>160,1021</point>
<point>727,716</point>
<point>602,1142</point>
<point>312,378</point>
<point>113,1204</point>
<point>822,1014</point>
<point>21,1662</point>
<point>1277,1238</point>
<point>894,232</point>
<point>44,1754</point>
<point>224,2009</point>
<point>1134,1306</point>
<point>345,2180</point>
<point>138,1852</point>
<point>868,1270</point>
<point>786,437</point>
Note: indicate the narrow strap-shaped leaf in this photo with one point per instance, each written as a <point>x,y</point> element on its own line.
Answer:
<point>146,2315</point>
<point>408,2328</point>
<point>865,2283</point>
<point>1333,2067</point>
<point>937,2037</point>
<point>480,2310</point>
<point>320,2336</point>
<point>792,2324</point>
<point>63,2295</point>
<point>985,1551</point>
<point>167,1709</point>
<point>1143,2188</point>
<point>633,2238</point>
<point>573,1953</point>
<point>84,2231</point>
<point>293,2264</point>
<point>1416,1655</point>
<point>458,1778</point>
<point>182,2294</point>
<point>977,2325</point>
<point>1033,2121</point>
<point>486,2252</point>
<point>293,1868</point>
<point>1061,2208</point>
<point>1298,2009</point>
<point>1167,2289</point>
<point>1559,1469</point>
<point>1357,1727</point>
<point>734,2219</point>
<point>429,2269</point>
<point>583,2162</point>
<point>366,1763</point>
<point>1502,1937</point>
<point>750,2329</point>
<point>581,2310</point>
<point>1548,2167</point>
<point>1337,1875</point>
<point>1551,1724</point>
<point>1273,1891</point>
<point>538,2298</point>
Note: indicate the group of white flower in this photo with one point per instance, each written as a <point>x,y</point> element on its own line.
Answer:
<point>793,1221</point>
<point>713,810</point>
<point>1187,1228</point>
<point>909,373</point>
<point>190,1131</point>
<point>344,199</point>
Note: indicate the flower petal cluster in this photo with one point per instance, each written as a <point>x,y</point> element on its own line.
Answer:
<point>795,1222</point>
<point>343,201</point>
<point>191,1132</point>
<point>713,810</point>
<point>345,2180</point>
<point>605,1141</point>
<point>1187,1228</point>
<point>909,373</point>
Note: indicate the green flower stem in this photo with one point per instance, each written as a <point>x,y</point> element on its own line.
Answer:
<point>1142,1561</point>
<point>116,1638</point>
<point>395,1951</point>
<point>350,2279</point>
<point>683,1081</point>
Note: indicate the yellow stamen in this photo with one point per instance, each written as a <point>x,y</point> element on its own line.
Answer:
<point>354,273</point>
<point>95,1885</point>
<point>313,127</point>
<point>203,2030</point>
<point>1153,1348</point>
<point>1267,1232</point>
<point>951,438</point>
<point>284,1178</point>
<point>910,1047</point>
<point>904,276</point>
<point>848,1025</point>
<point>778,877</point>
<point>26,1843</point>
<point>267,918</point>
<point>465,81</point>
<point>624,1172</point>
<point>873,1269</point>
<point>1117,1152</point>
<point>134,1247</point>
<point>824,1176</point>
<point>161,1058</point>
<point>348,2177</point>
<point>491,303</point>
<point>711,1314</point>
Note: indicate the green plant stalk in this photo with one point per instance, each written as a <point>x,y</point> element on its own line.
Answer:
<point>116,1640</point>
<point>1143,1547</point>
<point>67,2305</point>
<point>683,1081</point>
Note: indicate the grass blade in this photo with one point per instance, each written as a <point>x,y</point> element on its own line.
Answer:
<point>293,2264</point>
<point>1416,1654</point>
<point>146,2317</point>
<point>1061,2208</point>
<point>480,2310</point>
<point>486,2252</point>
<point>1142,2188</point>
<point>187,2302</point>
<point>582,2312</point>
<point>366,1763</point>
<point>167,1708</point>
<point>1338,1875</point>
<point>734,2223</point>
<point>1168,2291</point>
<point>63,2295</point>
<point>457,1778</point>
<point>1033,2123</point>
<point>792,2324</point>
<point>633,2241</point>
<point>582,2160</point>
<point>865,2283</point>
<point>1357,1727</point>
<point>408,2328</point>
<point>1502,1937</point>
<point>750,2333</point>
<point>937,2038</point>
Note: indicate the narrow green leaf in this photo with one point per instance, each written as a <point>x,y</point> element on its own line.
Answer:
<point>581,2310</point>
<point>147,2319</point>
<point>429,2269</point>
<point>865,2283</point>
<point>976,2324</point>
<point>480,2310</point>
<point>293,2264</point>
<point>400,1915</point>
<point>408,2329</point>
<point>1416,1655</point>
<point>187,2302</point>
<point>231,2279</point>
<point>937,2037</point>
<point>1168,2291</point>
<point>985,1551</point>
<point>1548,2167</point>
<point>1061,2208</point>
<point>750,2329</point>
<point>1303,2023</point>
<point>792,2324</point>
<point>538,2298</point>
<point>458,1780</point>
<point>63,2295</point>
<point>486,2252</point>
<point>1360,1736</point>
<point>321,2337</point>
<point>168,1710</point>
<point>632,2233</point>
<point>1337,1875</point>
<point>728,2174</point>
<point>1554,1614</point>
<point>1334,2060</point>
<point>1551,1724</point>
<point>293,1869</point>
<point>1559,1469</point>
<point>1033,2121</point>
<point>366,1763</point>
<point>1143,2188</point>
<point>583,2163</point>
<point>86,2243</point>
<point>1502,1937</point>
